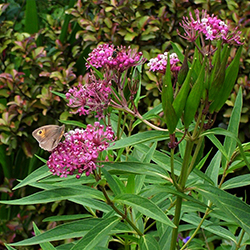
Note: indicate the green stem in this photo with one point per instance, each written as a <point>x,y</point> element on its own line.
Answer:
<point>176,222</point>
<point>195,155</point>
<point>242,233</point>
<point>124,217</point>
<point>181,184</point>
<point>119,125</point>
<point>208,210</point>
<point>184,170</point>
<point>172,170</point>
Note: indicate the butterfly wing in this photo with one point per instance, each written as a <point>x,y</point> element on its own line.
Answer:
<point>49,136</point>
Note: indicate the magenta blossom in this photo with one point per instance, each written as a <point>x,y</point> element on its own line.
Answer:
<point>120,58</point>
<point>79,152</point>
<point>160,62</point>
<point>91,97</point>
<point>211,27</point>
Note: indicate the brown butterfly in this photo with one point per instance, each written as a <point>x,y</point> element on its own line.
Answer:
<point>49,136</point>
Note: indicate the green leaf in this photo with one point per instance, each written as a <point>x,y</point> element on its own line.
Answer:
<point>152,113</point>
<point>61,232</point>
<point>4,161</point>
<point>194,97</point>
<point>69,230</point>
<point>230,78</point>
<point>135,168</point>
<point>209,226</point>
<point>66,217</point>
<point>177,51</point>
<point>148,242</point>
<point>59,94</point>
<point>145,206</point>
<point>36,175</point>
<point>92,203</point>
<point>41,159</point>
<point>139,138</point>
<point>167,99</point>
<point>217,80</point>
<point>157,189</point>
<point>184,68</point>
<point>74,123</point>
<point>163,161</point>
<point>213,169</point>
<point>180,100</point>
<point>96,234</point>
<point>31,18</point>
<point>221,131</point>
<point>216,62</point>
<point>98,73</point>
<point>238,181</point>
<point>232,206</point>
<point>218,144</point>
<point>136,76</point>
<point>46,245</point>
<point>55,195</point>
<point>64,30</point>
<point>9,247</point>
<point>233,126</point>
<point>112,182</point>
<point>197,66</point>
<point>165,239</point>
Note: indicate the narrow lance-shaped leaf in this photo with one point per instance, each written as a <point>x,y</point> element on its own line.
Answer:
<point>217,81</point>
<point>46,245</point>
<point>221,131</point>
<point>184,69</point>
<point>216,62</point>
<point>233,126</point>
<point>180,100</point>
<point>96,234</point>
<point>112,183</point>
<point>197,66</point>
<point>177,51</point>
<point>232,206</point>
<point>230,78</point>
<point>64,30</point>
<point>31,19</point>
<point>144,206</point>
<point>148,242</point>
<point>167,99</point>
<point>9,247</point>
<point>194,98</point>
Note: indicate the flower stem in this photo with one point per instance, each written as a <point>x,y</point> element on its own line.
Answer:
<point>123,215</point>
<point>181,184</point>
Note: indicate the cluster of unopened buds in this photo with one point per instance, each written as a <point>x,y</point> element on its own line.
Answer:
<point>114,58</point>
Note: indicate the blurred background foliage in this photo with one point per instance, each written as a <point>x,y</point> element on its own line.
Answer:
<point>42,49</point>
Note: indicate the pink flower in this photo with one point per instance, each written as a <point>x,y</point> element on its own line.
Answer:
<point>211,27</point>
<point>109,57</point>
<point>91,97</point>
<point>79,152</point>
<point>160,62</point>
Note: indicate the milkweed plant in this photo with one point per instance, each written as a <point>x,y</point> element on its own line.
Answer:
<point>157,189</point>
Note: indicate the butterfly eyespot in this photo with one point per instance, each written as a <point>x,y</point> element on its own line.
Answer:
<point>40,132</point>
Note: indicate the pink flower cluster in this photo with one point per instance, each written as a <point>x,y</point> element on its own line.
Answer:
<point>120,58</point>
<point>91,97</point>
<point>78,153</point>
<point>211,26</point>
<point>160,62</point>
